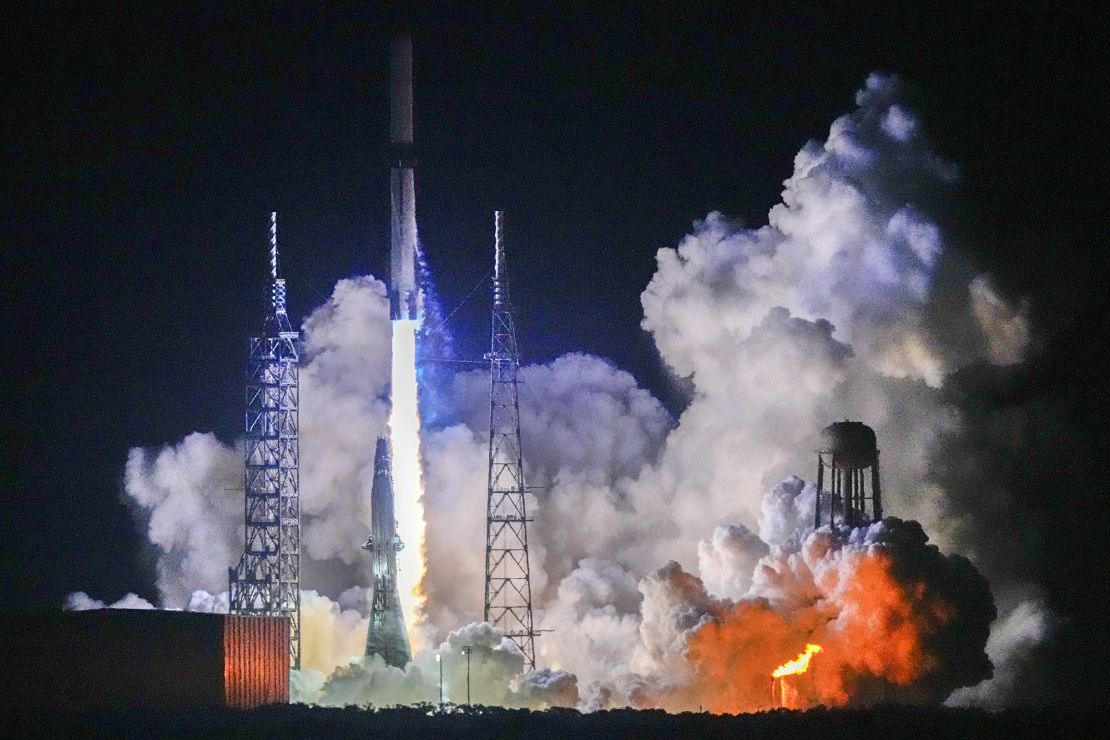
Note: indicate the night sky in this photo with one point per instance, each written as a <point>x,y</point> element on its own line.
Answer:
<point>145,148</point>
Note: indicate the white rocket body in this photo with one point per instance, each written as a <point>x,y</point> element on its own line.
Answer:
<point>403,291</point>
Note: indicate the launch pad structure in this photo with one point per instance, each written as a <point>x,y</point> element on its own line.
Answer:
<point>266,582</point>
<point>508,597</point>
<point>386,635</point>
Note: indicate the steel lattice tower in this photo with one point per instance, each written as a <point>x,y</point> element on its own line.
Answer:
<point>508,601</point>
<point>386,635</point>
<point>267,579</point>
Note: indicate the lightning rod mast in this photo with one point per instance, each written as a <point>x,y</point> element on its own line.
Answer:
<point>267,579</point>
<point>508,598</point>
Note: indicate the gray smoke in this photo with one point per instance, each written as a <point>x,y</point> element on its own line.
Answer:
<point>491,661</point>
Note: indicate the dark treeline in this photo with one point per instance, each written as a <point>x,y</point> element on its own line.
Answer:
<point>304,721</point>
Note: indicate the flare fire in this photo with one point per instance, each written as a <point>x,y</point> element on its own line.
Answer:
<point>799,664</point>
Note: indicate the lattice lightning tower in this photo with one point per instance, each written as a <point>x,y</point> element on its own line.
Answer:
<point>267,579</point>
<point>508,602</point>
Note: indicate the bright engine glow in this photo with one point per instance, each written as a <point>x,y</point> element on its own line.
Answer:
<point>408,484</point>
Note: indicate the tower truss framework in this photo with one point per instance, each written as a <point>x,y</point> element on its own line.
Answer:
<point>386,635</point>
<point>508,597</point>
<point>267,578</point>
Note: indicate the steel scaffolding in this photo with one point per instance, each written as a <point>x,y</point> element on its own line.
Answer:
<point>508,597</point>
<point>267,579</point>
<point>386,635</point>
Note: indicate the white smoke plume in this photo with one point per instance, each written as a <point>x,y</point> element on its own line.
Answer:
<point>849,303</point>
<point>80,601</point>
<point>191,495</point>
<point>599,604</point>
<point>1012,649</point>
<point>727,559</point>
<point>1006,329</point>
<point>331,631</point>
<point>476,655</point>
<point>896,621</point>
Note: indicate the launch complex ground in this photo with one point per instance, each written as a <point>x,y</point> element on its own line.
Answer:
<point>299,720</point>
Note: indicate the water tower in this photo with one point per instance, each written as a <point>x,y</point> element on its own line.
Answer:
<point>849,452</point>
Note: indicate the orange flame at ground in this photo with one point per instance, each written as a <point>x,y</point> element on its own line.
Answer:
<point>799,664</point>
<point>882,638</point>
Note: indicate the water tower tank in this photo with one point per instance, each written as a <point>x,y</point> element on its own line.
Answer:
<point>851,443</point>
<point>849,449</point>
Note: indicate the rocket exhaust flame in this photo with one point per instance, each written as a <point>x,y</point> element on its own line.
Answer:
<point>408,484</point>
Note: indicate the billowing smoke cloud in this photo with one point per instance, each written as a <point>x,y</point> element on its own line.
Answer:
<point>896,621</point>
<point>1013,647</point>
<point>849,303</point>
<point>476,656</point>
<point>587,430</point>
<point>595,618</point>
<point>332,631</point>
<point>726,560</point>
<point>846,305</point>
<point>80,601</point>
<point>1006,329</point>
<point>188,493</point>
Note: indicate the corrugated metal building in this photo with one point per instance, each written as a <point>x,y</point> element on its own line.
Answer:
<point>143,658</point>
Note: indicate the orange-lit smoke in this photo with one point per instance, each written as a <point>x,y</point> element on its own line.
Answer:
<point>892,619</point>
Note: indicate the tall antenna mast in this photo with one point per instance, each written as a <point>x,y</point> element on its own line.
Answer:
<point>508,600</point>
<point>267,579</point>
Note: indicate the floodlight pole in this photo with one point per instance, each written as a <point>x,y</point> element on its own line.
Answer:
<point>466,650</point>
<point>439,661</point>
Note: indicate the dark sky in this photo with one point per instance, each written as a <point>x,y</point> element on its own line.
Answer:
<point>144,148</point>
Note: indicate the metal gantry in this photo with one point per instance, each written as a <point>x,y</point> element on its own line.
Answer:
<point>508,598</point>
<point>267,578</point>
<point>386,635</point>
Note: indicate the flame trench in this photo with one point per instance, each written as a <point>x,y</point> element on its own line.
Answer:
<point>408,483</point>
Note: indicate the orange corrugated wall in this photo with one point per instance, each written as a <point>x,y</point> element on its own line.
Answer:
<point>256,661</point>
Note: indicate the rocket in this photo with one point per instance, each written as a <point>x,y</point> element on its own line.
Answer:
<point>403,292</point>
<point>386,636</point>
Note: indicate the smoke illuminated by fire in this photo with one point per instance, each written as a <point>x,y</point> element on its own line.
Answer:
<point>893,620</point>
<point>408,484</point>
